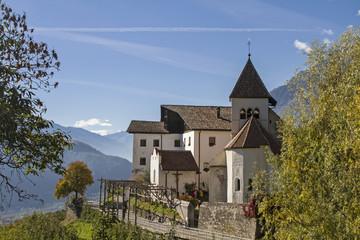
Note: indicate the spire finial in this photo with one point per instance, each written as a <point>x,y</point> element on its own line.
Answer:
<point>249,47</point>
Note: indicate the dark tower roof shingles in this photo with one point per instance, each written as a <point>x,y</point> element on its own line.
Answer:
<point>250,85</point>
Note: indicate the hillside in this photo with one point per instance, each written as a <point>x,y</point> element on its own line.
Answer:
<point>283,97</point>
<point>100,164</point>
<point>117,144</point>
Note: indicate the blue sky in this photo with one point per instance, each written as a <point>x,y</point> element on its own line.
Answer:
<point>122,59</point>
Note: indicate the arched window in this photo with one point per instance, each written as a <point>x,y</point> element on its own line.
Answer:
<point>237,184</point>
<point>250,184</point>
<point>249,112</point>
<point>242,114</point>
<point>256,113</point>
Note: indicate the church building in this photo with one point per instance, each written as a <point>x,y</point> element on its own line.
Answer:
<point>218,148</point>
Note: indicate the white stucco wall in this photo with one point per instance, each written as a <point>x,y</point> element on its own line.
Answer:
<point>238,103</point>
<point>186,177</point>
<point>245,162</point>
<point>200,144</point>
<point>166,142</point>
<point>207,153</point>
<point>154,168</point>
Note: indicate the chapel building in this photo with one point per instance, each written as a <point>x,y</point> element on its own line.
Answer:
<point>218,148</point>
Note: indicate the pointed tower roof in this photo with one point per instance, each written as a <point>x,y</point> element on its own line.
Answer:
<point>250,85</point>
<point>254,135</point>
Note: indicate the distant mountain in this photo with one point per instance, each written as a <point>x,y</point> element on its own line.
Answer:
<point>283,97</point>
<point>117,144</point>
<point>101,165</point>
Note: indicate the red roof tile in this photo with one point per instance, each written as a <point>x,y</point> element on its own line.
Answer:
<point>254,135</point>
<point>174,160</point>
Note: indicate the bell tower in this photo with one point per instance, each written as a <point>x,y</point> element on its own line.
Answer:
<point>249,97</point>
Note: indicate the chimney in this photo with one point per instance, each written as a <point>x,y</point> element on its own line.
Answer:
<point>218,112</point>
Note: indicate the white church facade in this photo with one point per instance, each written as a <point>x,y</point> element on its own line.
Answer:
<point>217,148</point>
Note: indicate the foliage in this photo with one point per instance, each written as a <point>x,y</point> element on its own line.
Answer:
<point>26,66</point>
<point>76,179</point>
<point>143,176</point>
<point>315,182</point>
<point>92,225</point>
<point>38,226</point>
<point>108,227</point>
<point>154,207</point>
<point>193,201</point>
<point>189,187</point>
<point>252,208</point>
<point>82,229</point>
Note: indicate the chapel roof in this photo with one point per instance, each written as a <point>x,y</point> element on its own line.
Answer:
<point>254,135</point>
<point>250,85</point>
<point>203,117</point>
<point>146,127</point>
<point>177,160</point>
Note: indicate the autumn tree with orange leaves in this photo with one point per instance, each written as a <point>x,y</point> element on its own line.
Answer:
<point>76,179</point>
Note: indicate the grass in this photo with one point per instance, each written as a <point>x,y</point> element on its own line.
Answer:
<point>83,229</point>
<point>158,208</point>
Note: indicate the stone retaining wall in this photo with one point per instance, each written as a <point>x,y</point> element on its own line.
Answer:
<point>228,218</point>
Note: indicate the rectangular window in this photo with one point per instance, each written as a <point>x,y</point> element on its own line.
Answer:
<point>142,142</point>
<point>184,142</point>
<point>212,141</point>
<point>142,161</point>
<point>177,143</point>
<point>189,141</point>
<point>156,143</point>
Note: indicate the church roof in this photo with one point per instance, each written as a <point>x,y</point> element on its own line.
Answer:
<point>146,127</point>
<point>254,135</point>
<point>177,160</point>
<point>203,117</point>
<point>250,85</point>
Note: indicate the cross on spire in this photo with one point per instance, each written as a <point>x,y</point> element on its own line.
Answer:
<point>249,47</point>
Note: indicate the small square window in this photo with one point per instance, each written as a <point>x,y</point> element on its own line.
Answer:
<point>142,142</point>
<point>189,141</point>
<point>177,143</point>
<point>156,143</point>
<point>212,141</point>
<point>142,161</point>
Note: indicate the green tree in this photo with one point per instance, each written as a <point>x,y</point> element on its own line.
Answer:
<point>315,182</point>
<point>38,226</point>
<point>143,176</point>
<point>27,146</point>
<point>76,179</point>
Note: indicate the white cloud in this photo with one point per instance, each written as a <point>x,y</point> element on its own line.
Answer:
<point>358,13</point>
<point>302,46</point>
<point>168,56</point>
<point>101,132</point>
<point>350,26</point>
<point>92,122</point>
<point>327,41</point>
<point>327,31</point>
